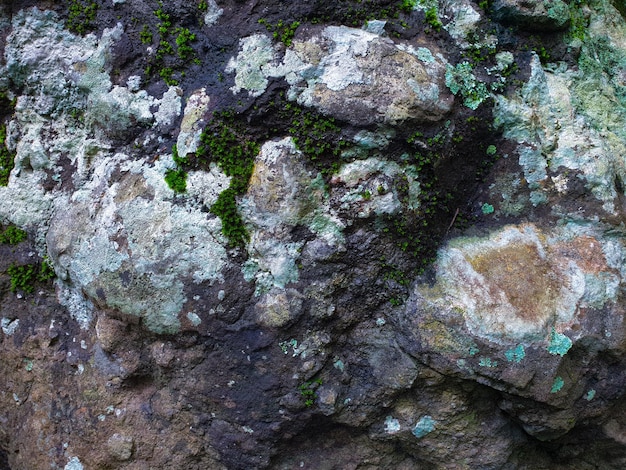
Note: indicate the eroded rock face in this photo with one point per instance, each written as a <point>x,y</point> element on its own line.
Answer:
<point>354,75</point>
<point>432,260</point>
<point>528,301</point>
<point>533,15</point>
<point>364,79</point>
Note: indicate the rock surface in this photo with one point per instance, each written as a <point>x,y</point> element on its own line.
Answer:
<point>268,235</point>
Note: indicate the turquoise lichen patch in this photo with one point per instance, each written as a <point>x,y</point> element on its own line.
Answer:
<point>473,350</point>
<point>285,345</point>
<point>339,365</point>
<point>559,343</point>
<point>28,365</point>
<point>425,55</point>
<point>424,426</point>
<point>487,362</point>
<point>557,385</point>
<point>516,354</point>
<point>487,209</point>
<point>590,395</point>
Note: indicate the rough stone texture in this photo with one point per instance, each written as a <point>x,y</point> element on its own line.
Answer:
<point>533,14</point>
<point>434,265</point>
<point>351,74</point>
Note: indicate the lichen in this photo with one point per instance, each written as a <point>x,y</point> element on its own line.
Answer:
<point>516,354</point>
<point>392,425</point>
<point>559,343</point>
<point>461,80</point>
<point>557,385</point>
<point>487,362</point>
<point>9,326</point>
<point>251,64</point>
<point>73,464</point>
<point>424,426</point>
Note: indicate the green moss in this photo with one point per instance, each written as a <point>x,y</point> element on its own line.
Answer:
<point>7,159</point>
<point>232,224</point>
<point>176,180</point>
<point>183,40</point>
<point>170,61</point>
<point>308,391</point>
<point>318,137</point>
<point>484,5</point>
<point>146,35</point>
<point>166,73</point>
<point>408,5</point>
<point>12,235</point>
<point>81,16</point>
<point>225,142</point>
<point>24,277</point>
<point>281,31</point>
<point>578,21</point>
<point>432,18</point>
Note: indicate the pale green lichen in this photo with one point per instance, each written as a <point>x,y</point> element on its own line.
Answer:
<point>73,464</point>
<point>164,243</point>
<point>468,268</point>
<point>392,425</point>
<point>9,326</point>
<point>463,22</point>
<point>600,289</point>
<point>590,395</point>
<point>251,64</point>
<point>425,55</point>
<point>368,175</point>
<point>563,118</point>
<point>369,140</point>
<point>461,80</point>
<point>213,13</point>
<point>194,318</point>
<point>280,196</point>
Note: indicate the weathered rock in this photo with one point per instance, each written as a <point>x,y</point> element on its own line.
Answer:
<point>354,75</point>
<point>533,14</point>
<point>325,338</point>
<point>527,300</point>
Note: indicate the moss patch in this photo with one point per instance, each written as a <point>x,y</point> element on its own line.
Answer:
<point>7,159</point>
<point>12,235</point>
<point>25,277</point>
<point>81,16</point>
